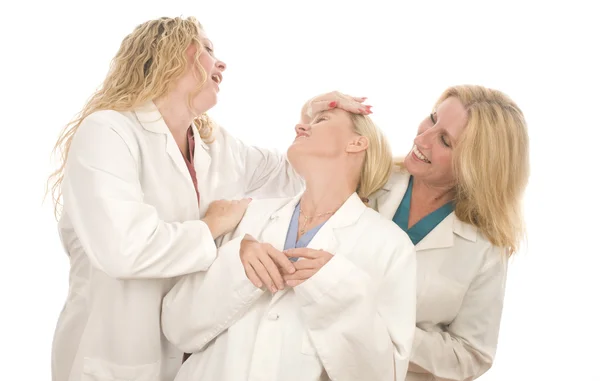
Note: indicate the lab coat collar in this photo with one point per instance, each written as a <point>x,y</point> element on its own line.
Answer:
<point>151,120</point>
<point>387,200</point>
<point>325,239</point>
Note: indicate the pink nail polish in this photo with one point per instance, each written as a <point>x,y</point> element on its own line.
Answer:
<point>332,104</point>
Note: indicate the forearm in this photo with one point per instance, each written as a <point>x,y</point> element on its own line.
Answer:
<point>447,357</point>
<point>201,306</point>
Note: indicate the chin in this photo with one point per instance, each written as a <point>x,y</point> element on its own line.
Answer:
<point>203,103</point>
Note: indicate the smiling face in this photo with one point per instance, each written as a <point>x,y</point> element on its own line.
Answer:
<point>430,159</point>
<point>205,98</point>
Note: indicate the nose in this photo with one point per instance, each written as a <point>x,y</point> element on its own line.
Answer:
<point>425,138</point>
<point>220,65</point>
<point>300,128</point>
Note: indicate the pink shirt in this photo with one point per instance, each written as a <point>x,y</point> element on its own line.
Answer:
<point>190,163</point>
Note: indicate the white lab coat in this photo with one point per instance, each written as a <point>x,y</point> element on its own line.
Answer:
<point>131,226</point>
<point>460,283</point>
<point>354,319</point>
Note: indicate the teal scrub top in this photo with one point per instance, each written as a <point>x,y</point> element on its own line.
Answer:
<point>419,230</point>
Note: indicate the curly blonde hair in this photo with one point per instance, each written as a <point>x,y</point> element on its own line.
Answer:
<point>148,62</point>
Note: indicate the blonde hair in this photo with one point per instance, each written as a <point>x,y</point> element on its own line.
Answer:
<point>378,163</point>
<point>146,65</point>
<point>491,165</point>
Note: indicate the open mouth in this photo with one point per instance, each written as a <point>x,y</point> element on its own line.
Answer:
<point>217,78</point>
<point>420,155</point>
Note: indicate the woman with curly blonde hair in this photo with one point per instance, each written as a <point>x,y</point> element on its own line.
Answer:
<point>141,169</point>
<point>458,196</point>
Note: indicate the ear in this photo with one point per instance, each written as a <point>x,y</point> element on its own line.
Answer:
<point>190,52</point>
<point>357,144</point>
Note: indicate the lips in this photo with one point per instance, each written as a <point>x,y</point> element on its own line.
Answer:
<point>420,155</point>
<point>217,78</point>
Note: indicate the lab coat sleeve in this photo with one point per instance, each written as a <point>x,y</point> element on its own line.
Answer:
<point>266,173</point>
<point>123,236</point>
<point>467,348</point>
<point>203,305</point>
<point>362,328</point>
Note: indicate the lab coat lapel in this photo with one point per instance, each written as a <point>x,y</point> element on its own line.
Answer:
<point>276,230</point>
<point>151,120</point>
<point>326,239</point>
<point>387,200</point>
<point>202,157</point>
<point>441,236</point>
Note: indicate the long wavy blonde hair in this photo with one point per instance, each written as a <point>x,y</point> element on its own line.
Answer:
<point>490,164</point>
<point>378,163</point>
<point>149,61</point>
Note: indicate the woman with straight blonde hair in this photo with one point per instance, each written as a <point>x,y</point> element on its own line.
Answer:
<point>458,196</point>
<point>344,308</point>
<point>141,169</point>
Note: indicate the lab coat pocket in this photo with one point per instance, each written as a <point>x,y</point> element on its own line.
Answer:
<point>307,347</point>
<point>101,370</point>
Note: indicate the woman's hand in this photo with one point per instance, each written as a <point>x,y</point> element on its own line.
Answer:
<point>332,100</point>
<point>223,216</point>
<point>312,261</point>
<point>262,264</point>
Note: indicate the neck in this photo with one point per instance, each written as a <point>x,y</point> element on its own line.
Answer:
<point>326,191</point>
<point>176,115</point>
<point>432,194</point>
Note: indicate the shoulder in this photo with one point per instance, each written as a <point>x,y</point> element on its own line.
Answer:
<point>105,131</point>
<point>267,206</point>
<point>480,251</point>
<point>386,232</point>
<point>105,121</point>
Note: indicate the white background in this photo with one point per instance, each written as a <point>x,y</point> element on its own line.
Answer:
<point>280,53</point>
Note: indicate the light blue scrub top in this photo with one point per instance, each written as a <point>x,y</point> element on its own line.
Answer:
<point>290,240</point>
<point>419,230</point>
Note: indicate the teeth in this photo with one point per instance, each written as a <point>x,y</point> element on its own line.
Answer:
<point>420,155</point>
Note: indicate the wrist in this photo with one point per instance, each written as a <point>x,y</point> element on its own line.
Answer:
<point>213,226</point>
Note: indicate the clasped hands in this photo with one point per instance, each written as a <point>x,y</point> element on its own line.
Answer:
<point>266,266</point>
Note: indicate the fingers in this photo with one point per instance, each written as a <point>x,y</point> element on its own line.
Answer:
<point>354,106</point>
<point>263,274</point>
<point>300,275</point>
<point>273,272</point>
<point>281,260</point>
<point>302,252</point>
<point>251,275</point>
<point>305,264</point>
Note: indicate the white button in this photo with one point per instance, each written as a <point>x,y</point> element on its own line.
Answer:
<point>273,316</point>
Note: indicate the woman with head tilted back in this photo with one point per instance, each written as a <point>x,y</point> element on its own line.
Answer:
<point>138,183</point>
<point>458,196</point>
<point>344,308</point>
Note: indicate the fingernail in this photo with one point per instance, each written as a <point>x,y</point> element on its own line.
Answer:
<point>363,98</point>
<point>281,287</point>
<point>332,104</point>
<point>292,270</point>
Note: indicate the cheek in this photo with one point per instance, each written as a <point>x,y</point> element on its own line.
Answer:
<point>443,159</point>
<point>207,62</point>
